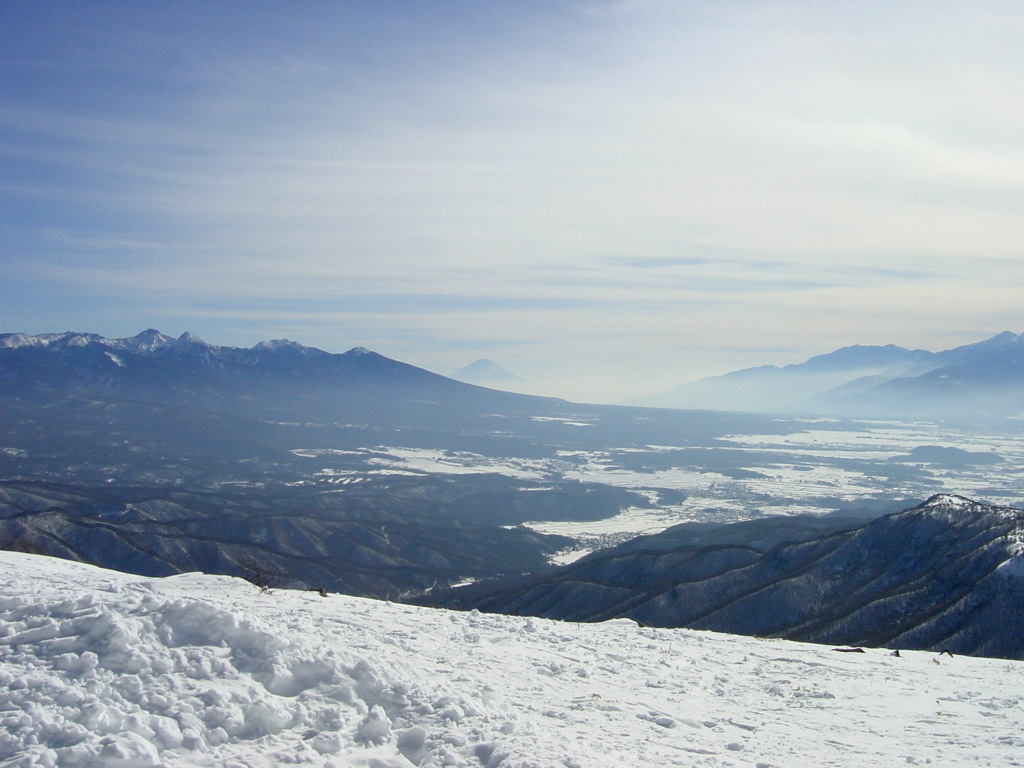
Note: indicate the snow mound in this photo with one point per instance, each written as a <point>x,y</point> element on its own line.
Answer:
<point>105,669</point>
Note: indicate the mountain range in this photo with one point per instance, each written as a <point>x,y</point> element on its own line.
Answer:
<point>304,539</point>
<point>274,379</point>
<point>945,575</point>
<point>283,463</point>
<point>286,380</point>
<point>158,455</point>
<point>985,379</point>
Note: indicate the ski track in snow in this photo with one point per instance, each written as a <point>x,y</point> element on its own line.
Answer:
<point>99,668</point>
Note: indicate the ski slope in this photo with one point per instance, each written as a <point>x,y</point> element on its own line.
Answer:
<point>99,668</point>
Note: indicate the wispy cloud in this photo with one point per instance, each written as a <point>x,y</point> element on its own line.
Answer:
<point>654,181</point>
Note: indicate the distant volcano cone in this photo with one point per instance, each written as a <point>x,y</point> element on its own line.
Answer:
<point>485,372</point>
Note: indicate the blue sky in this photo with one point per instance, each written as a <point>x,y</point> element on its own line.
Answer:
<point>606,198</point>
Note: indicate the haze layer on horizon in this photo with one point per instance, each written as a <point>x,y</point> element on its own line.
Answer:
<point>605,198</point>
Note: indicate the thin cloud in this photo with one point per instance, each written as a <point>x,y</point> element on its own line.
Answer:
<point>666,177</point>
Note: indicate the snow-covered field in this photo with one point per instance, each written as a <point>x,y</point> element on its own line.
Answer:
<point>813,469</point>
<point>884,441</point>
<point>105,669</point>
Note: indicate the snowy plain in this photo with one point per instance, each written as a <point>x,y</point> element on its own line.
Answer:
<point>99,668</point>
<point>812,469</point>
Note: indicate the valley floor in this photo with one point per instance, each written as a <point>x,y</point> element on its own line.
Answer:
<point>103,668</point>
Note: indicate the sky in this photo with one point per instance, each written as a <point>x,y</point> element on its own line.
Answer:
<point>605,198</point>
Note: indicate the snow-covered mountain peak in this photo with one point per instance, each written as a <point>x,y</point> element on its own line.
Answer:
<point>190,339</point>
<point>953,506</point>
<point>276,345</point>
<point>68,339</point>
<point>15,340</point>
<point>949,501</point>
<point>144,343</point>
<point>147,342</point>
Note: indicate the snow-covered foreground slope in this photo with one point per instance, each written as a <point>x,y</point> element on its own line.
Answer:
<point>103,668</point>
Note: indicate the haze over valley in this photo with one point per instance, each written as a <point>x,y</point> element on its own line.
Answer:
<point>291,466</point>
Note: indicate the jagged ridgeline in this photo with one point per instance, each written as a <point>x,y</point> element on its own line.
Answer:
<point>946,575</point>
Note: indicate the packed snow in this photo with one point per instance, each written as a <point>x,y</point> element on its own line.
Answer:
<point>99,668</point>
